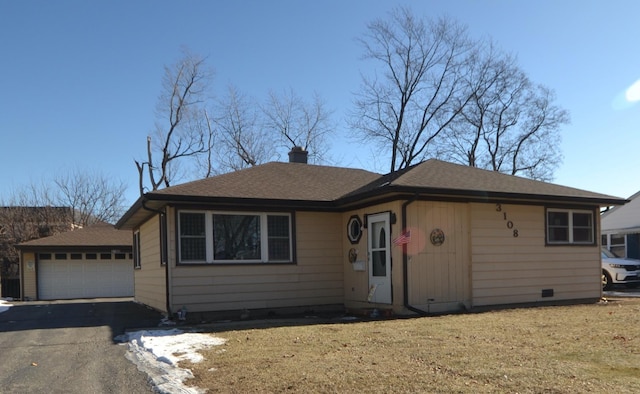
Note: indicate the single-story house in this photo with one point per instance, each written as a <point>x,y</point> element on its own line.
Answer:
<point>434,237</point>
<point>91,262</point>
<point>621,228</point>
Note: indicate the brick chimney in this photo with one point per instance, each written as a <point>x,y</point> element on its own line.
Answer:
<point>298,155</point>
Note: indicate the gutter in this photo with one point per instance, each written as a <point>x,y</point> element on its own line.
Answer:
<point>405,262</point>
<point>163,216</point>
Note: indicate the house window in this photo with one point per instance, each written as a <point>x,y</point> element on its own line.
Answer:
<point>615,243</point>
<point>567,226</point>
<point>137,264</point>
<point>235,237</point>
<point>279,238</point>
<point>193,237</point>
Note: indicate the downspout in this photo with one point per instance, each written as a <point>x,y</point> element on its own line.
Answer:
<point>22,264</point>
<point>163,216</point>
<point>405,261</point>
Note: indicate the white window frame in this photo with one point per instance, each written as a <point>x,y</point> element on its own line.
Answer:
<point>264,237</point>
<point>570,213</point>
<point>614,248</point>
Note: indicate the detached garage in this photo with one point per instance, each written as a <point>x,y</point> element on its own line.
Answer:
<point>91,262</point>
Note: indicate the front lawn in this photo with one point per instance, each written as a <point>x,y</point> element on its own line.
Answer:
<point>555,349</point>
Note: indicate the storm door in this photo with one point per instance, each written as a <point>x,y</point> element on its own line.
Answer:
<point>379,252</point>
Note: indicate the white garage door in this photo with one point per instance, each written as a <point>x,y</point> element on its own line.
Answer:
<point>99,275</point>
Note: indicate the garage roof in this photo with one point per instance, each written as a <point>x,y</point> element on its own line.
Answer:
<point>103,235</point>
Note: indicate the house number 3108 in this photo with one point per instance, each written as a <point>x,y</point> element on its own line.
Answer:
<point>510,224</point>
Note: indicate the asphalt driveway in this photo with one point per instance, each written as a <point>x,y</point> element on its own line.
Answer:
<point>68,347</point>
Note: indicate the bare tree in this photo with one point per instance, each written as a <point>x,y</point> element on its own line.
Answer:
<point>510,125</point>
<point>242,142</point>
<point>299,123</point>
<point>494,78</point>
<point>178,131</point>
<point>444,95</point>
<point>534,147</point>
<point>75,200</point>
<point>206,163</point>
<point>92,197</point>
<point>25,216</point>
<point>421,90</point>
<point>233,134</point>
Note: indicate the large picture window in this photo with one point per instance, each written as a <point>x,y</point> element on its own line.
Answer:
<point>567,226</point>
<point>235,237</point>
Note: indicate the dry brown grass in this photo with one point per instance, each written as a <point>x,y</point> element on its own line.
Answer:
<point>561,349</point>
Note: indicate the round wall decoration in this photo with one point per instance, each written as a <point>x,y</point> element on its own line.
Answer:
<point>354,229</point>
<point>437,237</point>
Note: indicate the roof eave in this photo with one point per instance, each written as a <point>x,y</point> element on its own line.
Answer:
<point>153,202</point>
<point>242,201</point>
<point>150,203</point>
<point>74,248</point>
<point>483,196</point>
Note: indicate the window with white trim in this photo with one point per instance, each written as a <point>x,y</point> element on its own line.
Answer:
<point>234,237</point>
<point>570,226</point>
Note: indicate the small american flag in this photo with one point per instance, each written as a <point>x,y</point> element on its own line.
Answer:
<point>404,238</point>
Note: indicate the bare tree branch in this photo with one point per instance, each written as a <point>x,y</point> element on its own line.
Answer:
<point>422,91</point>
<point>92,197</point>
<point>298,122</point>
<point>442,94</point>
<point>180,110</point>
<point>242,142</point>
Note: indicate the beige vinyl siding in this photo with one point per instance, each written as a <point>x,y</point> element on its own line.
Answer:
<point>508,269</point>
<point>438,276</point>
<point>314,279</point>
<point>29,286</point>
<point>149,280</point>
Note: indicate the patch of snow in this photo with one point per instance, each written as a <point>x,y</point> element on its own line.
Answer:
<point>4,305</point>
<point>157,353</point>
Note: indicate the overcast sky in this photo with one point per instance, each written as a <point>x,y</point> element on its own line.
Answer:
<point>80,80</point>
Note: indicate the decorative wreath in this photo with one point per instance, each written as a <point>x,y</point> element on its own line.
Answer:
<point>353,255</point>
<point>437,237</point>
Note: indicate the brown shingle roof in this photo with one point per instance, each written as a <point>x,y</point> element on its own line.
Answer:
<point>277,181</point>
<point>97,235</point>
<point>324,187</point>
<point>442,175</point>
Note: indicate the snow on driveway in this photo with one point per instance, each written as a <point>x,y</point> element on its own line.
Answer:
<point>157,353</point>
<point>4,305</point>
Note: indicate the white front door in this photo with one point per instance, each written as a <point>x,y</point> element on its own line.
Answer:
<point>379,253</point>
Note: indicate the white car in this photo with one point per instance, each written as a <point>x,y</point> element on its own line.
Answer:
<point>619,271</point>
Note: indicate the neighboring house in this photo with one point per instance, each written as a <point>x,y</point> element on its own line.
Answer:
<point>20,224</point>
<point>91,262</point>
<point>621,229</point>
<point>434,237</point>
